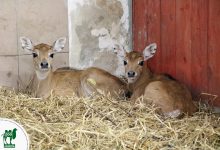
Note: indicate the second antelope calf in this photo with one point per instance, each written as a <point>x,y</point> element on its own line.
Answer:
<point>65,82</point>
<point>172,97</point>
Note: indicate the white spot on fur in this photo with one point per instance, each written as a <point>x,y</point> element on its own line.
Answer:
<point>173,114</point>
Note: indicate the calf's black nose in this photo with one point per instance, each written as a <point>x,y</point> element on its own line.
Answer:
<point>131,74</point>
<point>44,64</point>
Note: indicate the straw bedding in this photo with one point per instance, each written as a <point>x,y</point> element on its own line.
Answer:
<point>65,123</point>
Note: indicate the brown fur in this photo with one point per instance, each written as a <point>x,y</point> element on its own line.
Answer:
<point>169,95</point>
<point>66,81</point>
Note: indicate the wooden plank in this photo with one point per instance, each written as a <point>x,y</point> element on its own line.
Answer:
<point>183,41</point>
<point>139,24</point>
<point>213,49</point>
<point>168,37</point>
<point>199,46</point>
<point>153,32</point>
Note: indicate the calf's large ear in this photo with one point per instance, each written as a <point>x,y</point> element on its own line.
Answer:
<point>26,43</point>
<point>59,44</point>
<point>149,51</point>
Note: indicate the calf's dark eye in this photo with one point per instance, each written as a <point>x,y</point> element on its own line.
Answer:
<point>51,55</point>
<point>141,63</point>
<point>125,62</point>
<point>34,55</point>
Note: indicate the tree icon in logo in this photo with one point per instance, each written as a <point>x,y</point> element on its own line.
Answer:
<point>11,135</point>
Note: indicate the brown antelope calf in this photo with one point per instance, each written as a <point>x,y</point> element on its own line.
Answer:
<point>65,82</point>
<point>172,97</point>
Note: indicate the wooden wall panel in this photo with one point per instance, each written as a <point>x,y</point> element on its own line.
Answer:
<point>140,37</point>
<point>183,41</point>
<point>213,48</point>
<point>168,38</point>
<point>153,31</point>
<point>199,47</point>
<point>187,33</point>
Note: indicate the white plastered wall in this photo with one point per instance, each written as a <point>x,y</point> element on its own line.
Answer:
<point>94,27</point>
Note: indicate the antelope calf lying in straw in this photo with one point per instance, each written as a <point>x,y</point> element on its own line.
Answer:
<point>170,96</point>
<point>65,82</point>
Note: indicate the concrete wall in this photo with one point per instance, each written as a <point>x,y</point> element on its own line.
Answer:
<point>43,21</point>
<point>94,26</point>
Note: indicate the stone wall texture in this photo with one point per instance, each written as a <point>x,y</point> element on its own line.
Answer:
<point>95,26</point>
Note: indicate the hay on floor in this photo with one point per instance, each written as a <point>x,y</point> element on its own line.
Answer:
<point>104,123</point>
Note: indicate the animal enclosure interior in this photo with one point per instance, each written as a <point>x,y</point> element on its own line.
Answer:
<point>186,33</point>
